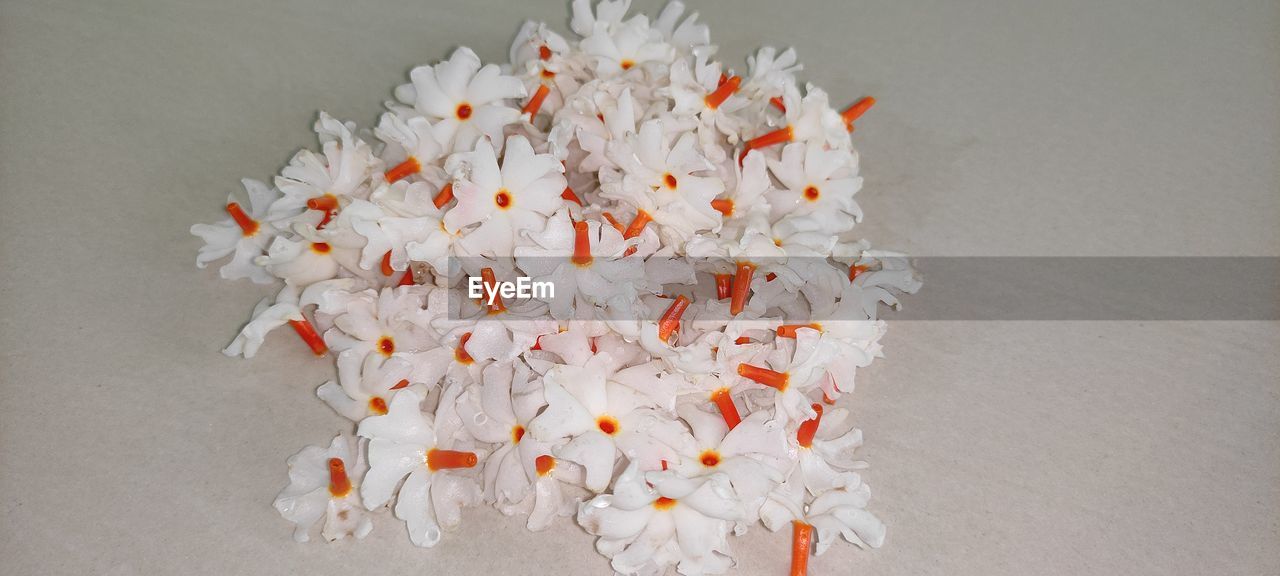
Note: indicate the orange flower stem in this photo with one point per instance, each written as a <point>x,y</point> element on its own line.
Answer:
<point>460,354</point>
<point>339,483</point>
<point>804,434</point>
<point>777,103</point>
<point>801,542</point>
<point>613,221</point>
<point>327,203</point>
<point>581,244</point>
<point>446,459</point>
<point>728,410</point>
<point>726,89</point>
<point>531,108</point>
<point>670,320</point>
<point>571,196</point>
<point>445,195</point>
<point>308,334</point>
<point>724,286</point>
<point>856,111</point>
<point>789,330</point>
<point>409,167</point>
<point>248,225</point>
<point>741,287</point>
<point>637,225</point>
<point>387,270</point>
<point>764,376</point>
<point>778,136</point>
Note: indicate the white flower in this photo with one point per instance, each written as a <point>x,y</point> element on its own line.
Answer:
<point>464,100</point>
<point>792,368</point>
<point>770,72</point>
<point>815,179</point>
<point>807,118</point>
<point>521,476</point>
<point>662,182</point>
<point>825,461</point>
<point>411,229</point>
<point>506,201</point>
<point>379,324</point>
<point>407,444</point>
<point>656,519</point>
<point>305,260</point>
<point>325,483</point>
<point>600,418</point>
<point>625,46</point>
<point>243,235</point>
<point>710,95</point>
<point>365,384</point>
<point>316,185</point>
<point>753,454</point>
<point>413,139</point>
<point>843,513</point>
<point>683,34</point>
<point>269,315</point>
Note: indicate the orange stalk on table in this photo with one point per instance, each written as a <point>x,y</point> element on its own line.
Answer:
<point>308,334</point>
<point>801,543</point>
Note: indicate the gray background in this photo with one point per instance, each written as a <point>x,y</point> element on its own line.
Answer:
<point>129,445</point>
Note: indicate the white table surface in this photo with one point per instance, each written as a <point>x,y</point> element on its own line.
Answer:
<point>129,445</point>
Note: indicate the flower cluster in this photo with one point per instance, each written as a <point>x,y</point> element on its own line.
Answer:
<point>713,303</point>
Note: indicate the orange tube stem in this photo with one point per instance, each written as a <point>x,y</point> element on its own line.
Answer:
<point>408,167</point>
<point>339,483</point>
<point>535,103</point>
<point>778,136</point>
<point>571,196</point>
<point>613,221</point>
<point>801,542</point>
<point>637,225</point>
<point>308,334</point>
<point>728,410</point>
<point>460,354</point>
<point>581,244</point>
<point>723,206</point>
<point>326,203</point>
<point>671,318</point>
<point>741,287</point>
<point>445,195</point>
<point>856,111</point>
<point>804,434</point>
<point>446,459</point>
<point>789,330</point>
<point>764,376</point>
<point>387,270</point>
<point>248,225</point>
<point>726,89</point>
<point>724,286</point>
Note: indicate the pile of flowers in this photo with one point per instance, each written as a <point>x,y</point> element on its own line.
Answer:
<point>711,306</point>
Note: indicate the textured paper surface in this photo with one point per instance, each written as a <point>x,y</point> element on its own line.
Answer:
<point>129,445</point>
